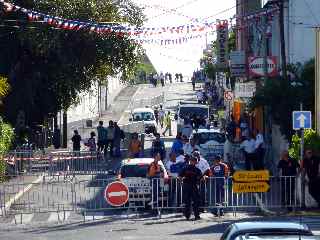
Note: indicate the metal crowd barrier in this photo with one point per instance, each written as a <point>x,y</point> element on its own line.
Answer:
<point>83,195</point>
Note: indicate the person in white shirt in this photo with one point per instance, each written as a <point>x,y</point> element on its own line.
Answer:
<point>249,147</point>
<point>259,149</point>
<point>169,163</point>
<point>202,164</point>
<point>161,116</point>
<point>190,146</point>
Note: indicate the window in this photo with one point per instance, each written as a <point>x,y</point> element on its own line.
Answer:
<point>202,138</point>
<point>143,116</point>
<point>188,112</point>
<point>134,170</point>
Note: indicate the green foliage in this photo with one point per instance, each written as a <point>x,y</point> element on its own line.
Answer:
<point>282,97</point>
<point>6,138</point>
<point>311,141</point>
<point>47,68</point>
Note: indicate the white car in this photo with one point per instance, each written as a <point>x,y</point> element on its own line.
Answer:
<point>133,173</point>
<point>209,141</point>
<point>145,115</point>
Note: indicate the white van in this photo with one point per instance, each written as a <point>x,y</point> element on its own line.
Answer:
<point>145,115</point>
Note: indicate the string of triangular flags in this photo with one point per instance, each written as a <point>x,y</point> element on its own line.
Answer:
<point>120,29</point>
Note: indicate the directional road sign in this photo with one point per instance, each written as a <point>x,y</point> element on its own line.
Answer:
<point>251,176</point>
<point>250,187</point>
<point>301,119</point>
<point>116,194</point>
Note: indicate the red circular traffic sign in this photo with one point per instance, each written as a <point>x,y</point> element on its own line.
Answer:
<point>116,194</point>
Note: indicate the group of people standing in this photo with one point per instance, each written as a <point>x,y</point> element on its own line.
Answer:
<point>155,78</point>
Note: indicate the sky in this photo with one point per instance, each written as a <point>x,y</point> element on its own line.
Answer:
<point>182,58</point>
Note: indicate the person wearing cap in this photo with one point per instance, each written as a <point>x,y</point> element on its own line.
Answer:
<point>219,171</point>
<point>191,176</point>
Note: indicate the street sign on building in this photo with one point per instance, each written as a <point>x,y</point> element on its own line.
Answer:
<point>256,66</point>
<point>237,63</point>
<point>301,120</point>
<point>245,90</point>
<point>228,96</point>
<point>222,43</point>
<point>250,176</point>
<point>116,194</point>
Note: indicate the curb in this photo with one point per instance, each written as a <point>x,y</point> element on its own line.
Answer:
<point>21,192</point>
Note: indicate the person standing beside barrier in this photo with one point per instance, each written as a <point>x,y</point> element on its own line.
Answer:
<point>102,136</point>
<point>110,139</point>
<point>76,139</point>
<point>310,164</point>
<point>118,135</point>
<point>158,147</point>
<point>191,176</point>
<point>135,146</point>
<point>219,171</point>
<point>92,142</point>
<point>288,172</point>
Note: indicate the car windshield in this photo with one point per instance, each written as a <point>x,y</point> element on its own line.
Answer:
<point>139,170</point>
<point>202,138</point>
<point>189,112</point>
<point>285,236</point>
<point>143,116</point>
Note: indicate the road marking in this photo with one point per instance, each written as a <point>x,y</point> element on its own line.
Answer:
<point>117,194</point>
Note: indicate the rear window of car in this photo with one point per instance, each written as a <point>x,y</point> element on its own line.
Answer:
<point>139,170</point>
<point>202,138</point>
<point>189,112</point>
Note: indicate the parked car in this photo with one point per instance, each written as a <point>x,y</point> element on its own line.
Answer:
<point>133,173</point>
<point>186,110</point>
<point>209,141</point>
<point>146,115</point>
<point>265,230</point>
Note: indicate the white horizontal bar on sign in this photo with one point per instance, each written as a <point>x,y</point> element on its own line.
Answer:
<point>117,194</point>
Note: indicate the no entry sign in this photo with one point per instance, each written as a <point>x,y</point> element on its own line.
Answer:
<point>116,194</point>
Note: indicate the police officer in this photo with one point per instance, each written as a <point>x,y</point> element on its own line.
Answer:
<point>219,171</point>
<point>191,176</point>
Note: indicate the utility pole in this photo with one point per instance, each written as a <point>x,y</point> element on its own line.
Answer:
<point>317,82</point>
<point>282,40</point>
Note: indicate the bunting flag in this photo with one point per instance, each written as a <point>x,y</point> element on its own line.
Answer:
<point>122,29</point>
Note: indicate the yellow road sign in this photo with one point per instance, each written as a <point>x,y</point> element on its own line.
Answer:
<point>250,187</point>
<point>251,176</point>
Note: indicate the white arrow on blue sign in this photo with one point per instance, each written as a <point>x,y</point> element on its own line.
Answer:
<point>301,119</point>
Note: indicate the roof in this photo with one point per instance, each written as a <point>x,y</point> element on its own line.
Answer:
<point>264,225</point>
<point>142,110</point>
<point>194,105</point>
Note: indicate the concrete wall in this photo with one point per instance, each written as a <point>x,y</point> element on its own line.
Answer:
<point>88,108</point>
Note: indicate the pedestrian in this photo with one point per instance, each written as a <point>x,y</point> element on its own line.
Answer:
<point>76,139</point>
<point>177,143</point>
<point>231,128</point>
<point>181,77</point>
<point>156,114</point>
<point>158,147</point>
<point>117,140</point>
<point>190,146</point>
<point>161,79</point>
<point>102,136</point>
<point>200,97</point>
<point>135,146</point>
<point>288,172</point>
<point>310,164</point>
<point>259,150</point>
<point>187,128</point>
<point>92,142</point>
<point>155,173</point>
<point>167,122</point>
<point>177,77</point>
<point>161,116</point>
<point>248,146</point>
<point>193,81</point>
<point>170,77</point>
<point>191,176</point>
<point>219,171</point>
<point>56,140</point>
<point>110,139</point>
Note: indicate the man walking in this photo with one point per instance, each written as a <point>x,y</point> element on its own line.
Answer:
<point>76,139</point>
<point>161,116</point>
<point>193,81</point>
<point>167,123</point>
<point>110,139</point>
<point>117,140</point>
<point>191,176</point>
<point>102,136</point>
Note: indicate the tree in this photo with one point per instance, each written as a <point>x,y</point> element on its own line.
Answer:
<point>282,97</point>
<point>48,68</point>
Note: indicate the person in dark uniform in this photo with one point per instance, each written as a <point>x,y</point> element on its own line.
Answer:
<point>191,176</point>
